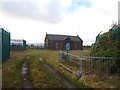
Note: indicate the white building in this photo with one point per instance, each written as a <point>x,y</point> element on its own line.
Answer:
<point>16,42</point>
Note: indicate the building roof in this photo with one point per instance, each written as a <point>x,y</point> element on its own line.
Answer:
<point>62,37</point>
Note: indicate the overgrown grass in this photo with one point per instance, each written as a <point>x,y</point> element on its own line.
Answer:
<point>11,72</point>
<point>51,58</point>
<point>73,79</point>
<point>40,76</point>
<point>81,53</point>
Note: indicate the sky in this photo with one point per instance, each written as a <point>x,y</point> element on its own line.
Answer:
<point>31,19</point>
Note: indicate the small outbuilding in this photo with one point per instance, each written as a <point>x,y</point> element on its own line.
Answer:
<point>18,44</point>
<point>63,42</point>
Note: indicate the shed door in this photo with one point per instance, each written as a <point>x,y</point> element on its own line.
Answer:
<point>67,46</point>
<point>57,45</point>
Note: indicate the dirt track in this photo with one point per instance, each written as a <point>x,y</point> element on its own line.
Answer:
<point>59,76</point>
<point>26,78</point>
<point>27,81</point>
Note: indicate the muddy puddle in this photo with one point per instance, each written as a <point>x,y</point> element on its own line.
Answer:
<point>26,78</point>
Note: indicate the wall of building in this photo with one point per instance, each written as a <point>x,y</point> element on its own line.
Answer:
<point>60,45</point>
<point>52,44</point>
<point>5,44</point>
<point>76,45</point>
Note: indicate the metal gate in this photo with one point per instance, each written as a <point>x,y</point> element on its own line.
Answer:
<point>100,69</point>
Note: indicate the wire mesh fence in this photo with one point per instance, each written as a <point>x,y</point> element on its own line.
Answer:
<point>100,70</point>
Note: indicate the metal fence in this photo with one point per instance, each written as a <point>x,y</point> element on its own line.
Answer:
<point>102,69</point>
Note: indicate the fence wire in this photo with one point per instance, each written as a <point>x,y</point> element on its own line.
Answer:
<point>92,69</point>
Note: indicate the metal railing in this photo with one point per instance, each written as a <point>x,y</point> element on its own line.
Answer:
<point>104,68</point>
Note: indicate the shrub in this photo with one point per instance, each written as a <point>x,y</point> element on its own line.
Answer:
<point>108,46</point>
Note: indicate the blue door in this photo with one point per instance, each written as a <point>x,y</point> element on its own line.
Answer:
<point>67,46</point>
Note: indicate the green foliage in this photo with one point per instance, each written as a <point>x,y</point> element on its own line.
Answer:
<point>106,46</point>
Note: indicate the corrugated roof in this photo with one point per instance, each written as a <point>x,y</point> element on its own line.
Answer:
<point>62,37</point>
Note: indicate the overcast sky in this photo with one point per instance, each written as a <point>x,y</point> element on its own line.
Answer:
<point>31,19</point>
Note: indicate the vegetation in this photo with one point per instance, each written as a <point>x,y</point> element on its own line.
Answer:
<point>73,79</point>
<point>11,72</point>
<point>41,77</point>
<point>108,45</point>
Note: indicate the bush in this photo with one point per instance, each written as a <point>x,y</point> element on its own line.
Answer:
<point>107,46</point>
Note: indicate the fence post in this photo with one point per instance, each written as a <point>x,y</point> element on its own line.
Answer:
<point>79,72</point>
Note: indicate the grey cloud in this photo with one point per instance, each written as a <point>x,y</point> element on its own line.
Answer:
<point>51,13</point>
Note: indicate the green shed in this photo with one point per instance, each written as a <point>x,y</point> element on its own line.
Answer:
<point>18,44</point>
<point>116,32</point>
<point>4,44</point>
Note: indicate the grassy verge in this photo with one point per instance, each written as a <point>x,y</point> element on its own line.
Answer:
<point>11,71</point>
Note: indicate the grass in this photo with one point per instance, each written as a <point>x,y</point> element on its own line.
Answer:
<point>11,74</point>
<point>11,69</point>
<point>40,76</point>
<point>80,53</point>
<point>51,58</point>
<point>73,79</point>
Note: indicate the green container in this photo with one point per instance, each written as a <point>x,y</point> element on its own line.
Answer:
<point>4,44</point>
